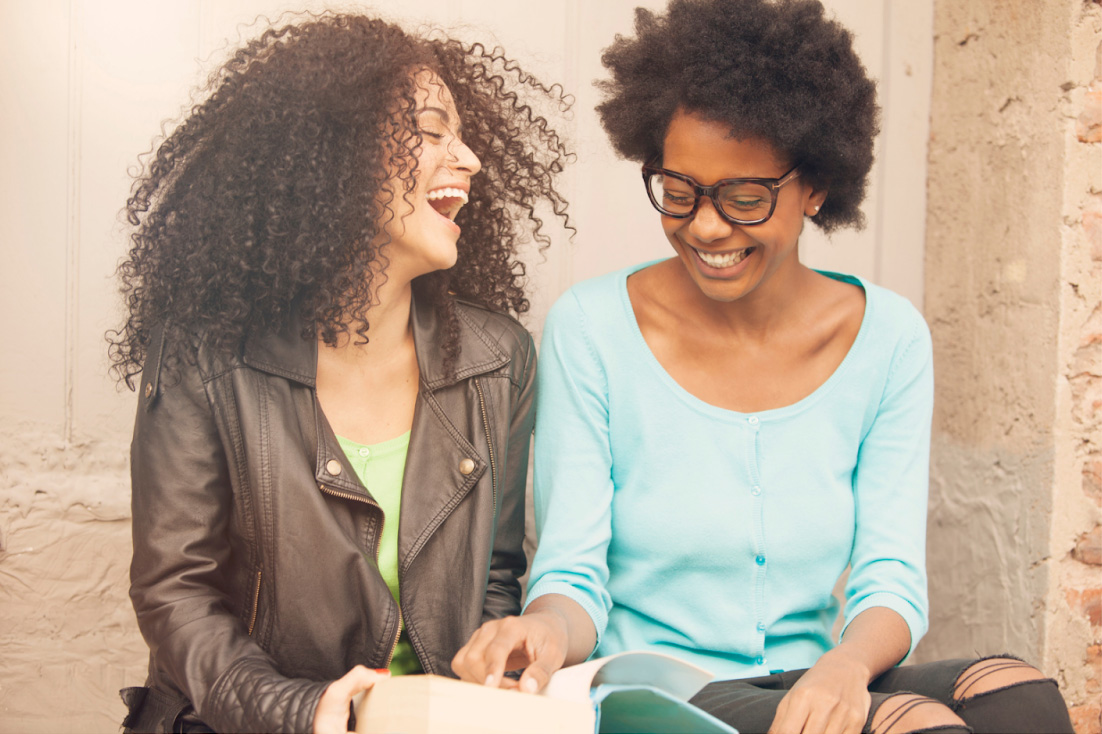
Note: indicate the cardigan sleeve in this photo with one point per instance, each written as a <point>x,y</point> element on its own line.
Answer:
<point>890,485</point>
<point>573,466</point>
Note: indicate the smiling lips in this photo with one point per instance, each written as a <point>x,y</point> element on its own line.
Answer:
<point>447,201</point>
<point>723,259</point>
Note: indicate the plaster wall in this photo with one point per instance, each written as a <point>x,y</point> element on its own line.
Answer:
<point>1012,294</point>
<point>86,84</point>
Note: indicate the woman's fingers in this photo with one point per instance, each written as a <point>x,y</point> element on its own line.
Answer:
<point>530,641</point>
<point>806,711</point>
<point>331,716</point>
<point>483,659</point>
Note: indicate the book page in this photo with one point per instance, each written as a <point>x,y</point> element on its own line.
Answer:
<point>674,676</point>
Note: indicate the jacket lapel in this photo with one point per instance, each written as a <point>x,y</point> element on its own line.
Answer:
<point>434,480</point>
<point>440,445</point>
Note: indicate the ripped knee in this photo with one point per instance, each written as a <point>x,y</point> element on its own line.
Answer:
<point>907,712</point>
<point>992,674</point>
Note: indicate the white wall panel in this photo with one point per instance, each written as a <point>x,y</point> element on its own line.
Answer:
<point>134,64</point>
<point>77,111</point>
<point>34,115</point>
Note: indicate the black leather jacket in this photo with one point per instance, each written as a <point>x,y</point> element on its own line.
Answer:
<point>254,576</point>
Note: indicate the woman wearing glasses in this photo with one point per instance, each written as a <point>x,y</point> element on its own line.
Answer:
<point>334,416</point>
<point>722,433</point>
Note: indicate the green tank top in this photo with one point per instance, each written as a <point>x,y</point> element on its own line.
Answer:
<point>381,467</point>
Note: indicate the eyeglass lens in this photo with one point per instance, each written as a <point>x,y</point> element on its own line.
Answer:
<point>739,201</point>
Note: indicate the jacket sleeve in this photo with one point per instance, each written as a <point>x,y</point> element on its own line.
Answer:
<point>182,503</point>
<point>507,561</point>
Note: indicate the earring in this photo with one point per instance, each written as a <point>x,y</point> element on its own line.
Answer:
<point>816,211</point>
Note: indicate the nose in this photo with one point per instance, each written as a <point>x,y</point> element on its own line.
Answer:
<point>707,225</point>
<point>464,157</point>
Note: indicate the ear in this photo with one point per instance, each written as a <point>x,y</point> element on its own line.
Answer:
<point>814,202</point>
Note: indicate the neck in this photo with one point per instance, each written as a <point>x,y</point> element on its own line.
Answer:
<point>775,304</point>
<point>389,326</point>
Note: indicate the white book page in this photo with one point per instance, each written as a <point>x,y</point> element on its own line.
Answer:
<point>658,670</point>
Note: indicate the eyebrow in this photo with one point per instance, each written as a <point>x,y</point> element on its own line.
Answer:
<point>443,114</point>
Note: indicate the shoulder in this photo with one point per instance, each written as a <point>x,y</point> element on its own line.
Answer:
<point>889,318</point>
<point>595,304</point>
<point>894,319</point>
<point>502,330</point>
<point>897,343</point>
<point>174,356</point>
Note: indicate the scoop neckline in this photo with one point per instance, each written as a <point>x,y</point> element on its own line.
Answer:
<point>382,447</point>
<point>640,344</point>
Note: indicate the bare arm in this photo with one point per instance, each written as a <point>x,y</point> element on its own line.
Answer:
<point>833,695</point>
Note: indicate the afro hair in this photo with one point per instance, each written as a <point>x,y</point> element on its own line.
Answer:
<point>775,70</point>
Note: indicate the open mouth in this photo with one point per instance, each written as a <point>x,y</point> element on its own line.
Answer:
<point>724,259</point>
<point>447,201</point>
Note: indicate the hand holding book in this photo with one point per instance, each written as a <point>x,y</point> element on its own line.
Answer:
<point>640,692</point>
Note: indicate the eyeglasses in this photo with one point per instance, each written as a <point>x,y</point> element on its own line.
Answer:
<point>738,200</point>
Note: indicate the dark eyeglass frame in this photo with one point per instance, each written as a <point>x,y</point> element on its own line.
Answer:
<point>773,184</point>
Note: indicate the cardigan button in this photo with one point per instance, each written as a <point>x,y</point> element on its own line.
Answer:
<point>466,467</point>
<point>333,467</point>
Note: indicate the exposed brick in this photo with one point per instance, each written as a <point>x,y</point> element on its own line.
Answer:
<point>1088,549</point>
<point>1087,719</point>
<point>1092,225</point>
<point>1092,478</point>
<point>1094,662</point>
<point>1089,125</point>
<point>1088,602</point>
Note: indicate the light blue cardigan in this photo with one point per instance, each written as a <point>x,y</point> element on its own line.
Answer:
<point>718,536</point>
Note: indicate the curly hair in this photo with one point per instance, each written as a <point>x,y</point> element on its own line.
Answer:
<point>777,70</point>
<point>273,190</point>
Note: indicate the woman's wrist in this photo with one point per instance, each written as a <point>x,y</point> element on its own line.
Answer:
<point>567,621</point>
<point>842,657</point>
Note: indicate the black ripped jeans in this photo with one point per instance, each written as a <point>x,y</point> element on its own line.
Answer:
<point>750,704</point>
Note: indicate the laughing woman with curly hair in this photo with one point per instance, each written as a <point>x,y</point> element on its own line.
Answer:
<point>331,444</point>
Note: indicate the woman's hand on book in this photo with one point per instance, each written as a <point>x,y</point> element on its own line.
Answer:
<point>536,641</point>
<point>331,716</point>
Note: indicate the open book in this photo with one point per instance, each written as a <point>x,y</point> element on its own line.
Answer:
<point>640,692</point>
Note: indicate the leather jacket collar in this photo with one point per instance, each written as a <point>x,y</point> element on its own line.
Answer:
<point>281,352</point>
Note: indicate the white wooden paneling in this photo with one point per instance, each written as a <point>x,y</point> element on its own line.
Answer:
<point>34,112</point>
<point>132,75</point>
<point>87,84</point>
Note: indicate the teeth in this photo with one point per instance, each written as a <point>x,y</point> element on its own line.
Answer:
<point>725,259</point>
<point>447,193</point>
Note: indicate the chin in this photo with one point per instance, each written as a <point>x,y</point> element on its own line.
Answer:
<point>444,261</point>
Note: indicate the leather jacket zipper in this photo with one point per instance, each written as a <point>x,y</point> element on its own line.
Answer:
<point>489,440</point>
<point>256,604</point>
<point>397,636</point>
<point>378,542</point>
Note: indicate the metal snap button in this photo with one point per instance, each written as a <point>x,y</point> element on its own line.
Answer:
<point>466,466</point>
<point>333,467</point>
